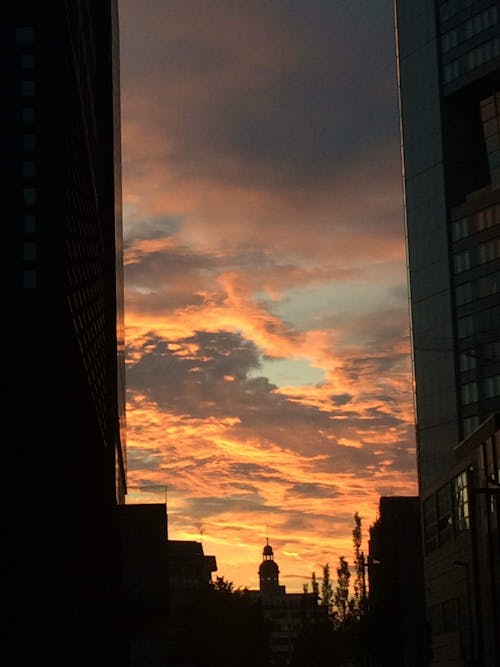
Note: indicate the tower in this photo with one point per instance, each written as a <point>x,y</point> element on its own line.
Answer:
<point>268,572</point>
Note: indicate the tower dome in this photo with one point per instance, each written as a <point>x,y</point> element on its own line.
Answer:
<point>268,571</point>
<point>267,551</point>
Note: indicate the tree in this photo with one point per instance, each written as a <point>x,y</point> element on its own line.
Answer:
<point>326,587</point>
<point>341,595</point>
<point>358,597</point>
<point>314,585</point>
<point>222,585</point>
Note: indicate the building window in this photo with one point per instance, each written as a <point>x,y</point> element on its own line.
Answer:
<point>461,502</point>
<point>489,251</point>
<point>463,294</point>
<point>27,61</point>
<point>469,28</point>
<point>489,285</point>
<point>469,424</point>
<point>29,142</point>
<point>444,517</point>
<point>461,261</point>
<point>486,218</point>
<point>25,35</point>
<point>28,115</point>
<point>28,169</point>
<point>29,224</point>
<point>29,196</point>
<point>29,279</point>
<point>27,88</point>
<point>430,524</point>
<point>29,251</point>
<point>491,386</point>
<point>460,229</point>
<point>467,360</point>
<point>465,326</point>
<point>471,60</point>
<point>491,352</point>
<point>469,393</point>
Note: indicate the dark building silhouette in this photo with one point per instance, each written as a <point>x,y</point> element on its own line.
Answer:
<point>64,464</point>
<point>396,626</point>
<point>291,617</point>
<point>190,579</point>
<point>145,575</point>
<point>449,90</point>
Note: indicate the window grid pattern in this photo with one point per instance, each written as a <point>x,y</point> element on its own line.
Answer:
<point>484,219</point>
<point>470,28</point>
<point>470,61</point>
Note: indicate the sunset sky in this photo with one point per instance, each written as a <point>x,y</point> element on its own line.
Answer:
<point>268,363</point>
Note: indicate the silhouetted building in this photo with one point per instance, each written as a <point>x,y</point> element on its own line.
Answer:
<point>190,572</point>
<point>61,266</point>
<point>449,86</point>
<point>396,626</point>
<point>146,598</point>
<point>290,616</point>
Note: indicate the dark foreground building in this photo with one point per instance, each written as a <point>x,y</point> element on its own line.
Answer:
<point>396,626</point>
<point>145,596</point>
<point>63,465</point>
<point>449,76</point>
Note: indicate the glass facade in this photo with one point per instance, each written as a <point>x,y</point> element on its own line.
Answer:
<point>451,158</point>
<point>449,93</point>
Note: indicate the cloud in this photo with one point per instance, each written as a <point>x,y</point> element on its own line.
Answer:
<point>264,233</point>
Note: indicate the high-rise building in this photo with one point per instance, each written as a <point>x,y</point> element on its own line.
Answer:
<point>449,89</point>
<point>63,462</point>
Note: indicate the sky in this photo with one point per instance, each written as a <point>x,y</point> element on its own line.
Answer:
<point>269,388</point>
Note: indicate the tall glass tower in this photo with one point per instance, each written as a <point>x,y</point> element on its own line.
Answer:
<point>449,90</point>
<point>61,242</point>
<point>449,74</point>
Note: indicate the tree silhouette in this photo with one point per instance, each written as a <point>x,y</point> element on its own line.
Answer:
<point>314,585</point>
<point>326,587</point>
<point>359,566</point>
<point>341,595</point>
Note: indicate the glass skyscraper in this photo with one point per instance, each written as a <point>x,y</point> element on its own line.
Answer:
<point>449,68</point>
<point>449,88</point>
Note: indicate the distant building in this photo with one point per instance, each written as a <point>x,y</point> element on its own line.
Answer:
<point>289,615</point>
<point>189,572</point>
<point>62,371</point>
<point>449,89</point>
<point>396,626</point>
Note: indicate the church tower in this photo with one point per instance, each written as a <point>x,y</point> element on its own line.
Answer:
<point>268,572</point>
